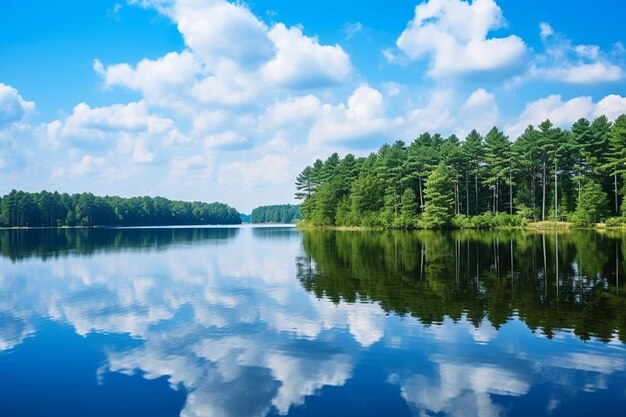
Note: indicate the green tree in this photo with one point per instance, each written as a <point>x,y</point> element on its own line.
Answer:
<point>409,208</point>
<point>592,205</point>
<point>617,154</point>
<point>474,154</point>
<point>439,195</point>
<point>499,168</point>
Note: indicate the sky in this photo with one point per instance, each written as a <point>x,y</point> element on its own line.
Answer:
<point>214,100</point>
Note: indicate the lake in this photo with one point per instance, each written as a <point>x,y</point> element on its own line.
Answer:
<point>268,321</point>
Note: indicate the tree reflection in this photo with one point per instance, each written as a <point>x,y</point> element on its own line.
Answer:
<point>17,244</point>
<point>555,281</point>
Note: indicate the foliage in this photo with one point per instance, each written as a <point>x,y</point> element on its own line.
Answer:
<point>438,210</point>
<point>537,176</point>
<point>592,205</point>
<point>46,209</point>
<point>284,213</point>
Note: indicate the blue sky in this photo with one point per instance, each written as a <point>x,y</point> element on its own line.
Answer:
<point>211,100</point>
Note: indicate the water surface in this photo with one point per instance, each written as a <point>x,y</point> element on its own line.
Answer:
<point>258,321</point>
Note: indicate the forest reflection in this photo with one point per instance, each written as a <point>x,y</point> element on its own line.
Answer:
<point>570,281</point>
<point>17,244</point>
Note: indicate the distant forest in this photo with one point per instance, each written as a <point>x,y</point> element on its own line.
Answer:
<point>53,209</point>
<point>282,213</point>
<point>547,173</point>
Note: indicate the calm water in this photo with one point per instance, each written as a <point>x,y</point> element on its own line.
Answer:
<point>238,322</point>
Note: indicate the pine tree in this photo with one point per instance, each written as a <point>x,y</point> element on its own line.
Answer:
<point>592,205</point>
<point>474,151</point>
<point>498,160</point>
<point>439,194</point>
<point>617,153</point>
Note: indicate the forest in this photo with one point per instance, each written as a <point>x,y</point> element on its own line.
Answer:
<point>280,213</point>
<point>53,209</point>
<point>547,173</point>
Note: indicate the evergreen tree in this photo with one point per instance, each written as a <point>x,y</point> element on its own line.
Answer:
<point>409,208</point>
<point>439,194</point>
<point>592,205</point>
<point>617,154</point>
<point>474,151</point>
<point>498,161</point>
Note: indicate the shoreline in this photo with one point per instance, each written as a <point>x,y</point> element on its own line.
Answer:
<point>531,227</point>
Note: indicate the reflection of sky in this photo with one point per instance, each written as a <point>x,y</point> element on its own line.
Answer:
<point>232,325</point>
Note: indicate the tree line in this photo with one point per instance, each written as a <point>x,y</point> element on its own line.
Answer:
<point>53,209</point>
<point>280,213</point>
<point>547,173</point>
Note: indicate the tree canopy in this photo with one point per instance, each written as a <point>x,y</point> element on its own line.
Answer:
<point>47,209</point>
<point>280,213</point>
<point>438,181</point>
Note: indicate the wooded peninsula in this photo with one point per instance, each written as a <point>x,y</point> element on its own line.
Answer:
<point>279,213</point>
<point>548,173</point>
<point>47,209</point>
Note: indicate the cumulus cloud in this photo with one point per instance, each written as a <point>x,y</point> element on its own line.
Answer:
<point>160,81</point>
<point>302,62</point>
<point>107,126</point>
<point>454,34</point>
<point>217,30</point>
<point>564,113</point>
<point>447,112</point>
<point>271,169</point>
<point>567,62</point>
<point>13,107</point>
<point>362,118</point>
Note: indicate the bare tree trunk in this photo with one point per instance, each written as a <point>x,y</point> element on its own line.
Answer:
<point>419,181</point>
<point>466,194</point>
<point>543,198</point>
<point>476,189</point>
<point>556,192</point>
<point>510,191</point>
<point>616,205</point>
<point>532,195</point>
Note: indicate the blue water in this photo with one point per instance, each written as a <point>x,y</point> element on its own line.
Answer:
<point>248,321</point>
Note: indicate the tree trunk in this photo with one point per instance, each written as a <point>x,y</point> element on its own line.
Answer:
<point>476,189</point>
<point>556,192</point>
<point>533,186</point>
<point>616,204</point>
<point>510,191</point>
<point>466,194</point>
<point>543,197</point>
<point>419,181</point>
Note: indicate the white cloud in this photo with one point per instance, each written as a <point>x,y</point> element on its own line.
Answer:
<point>87,165</point>
<point>566,62</point>
<point>216,30</point>
<point>13,107</point>
<point>545,30</point>
<point>271,169</point>
<point>611,106</point>
<point>292,110</point>
<point>454,34</point>
<point>362,118</point>
<point>192,165</point>
<point>446,112</point>
<point>302,62</point>
<point>160,81</point>
<point>228,86</point>
<point>352,29</point>
<point>225,140</point>
<point>565,113</point>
